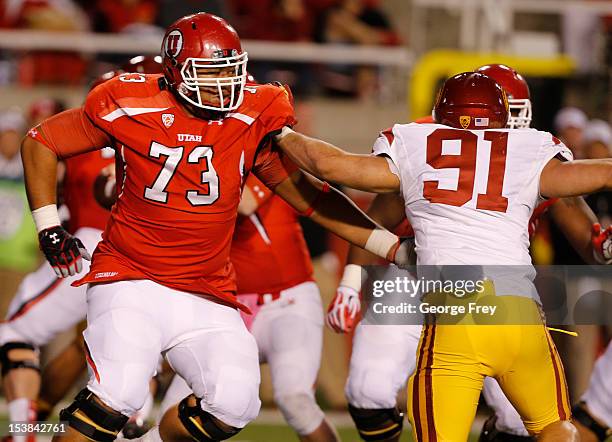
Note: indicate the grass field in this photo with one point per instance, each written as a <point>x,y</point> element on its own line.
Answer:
<point>270,427</point>
<point>280,433</point>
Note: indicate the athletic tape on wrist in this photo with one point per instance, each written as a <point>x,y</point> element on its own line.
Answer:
<point>45,217</point>
<point>380,242</point>
<point>353,277</point>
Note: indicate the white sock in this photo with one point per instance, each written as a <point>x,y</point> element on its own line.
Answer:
<point>20,411</point>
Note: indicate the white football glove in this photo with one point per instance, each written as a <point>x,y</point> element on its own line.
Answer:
<point>342,311</point>
<point>601,240</point>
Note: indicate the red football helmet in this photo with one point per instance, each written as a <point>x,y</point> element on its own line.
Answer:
<point>471,101</point>
<point>144,65</point>
<point>204,62</point>
<point>516,89</point>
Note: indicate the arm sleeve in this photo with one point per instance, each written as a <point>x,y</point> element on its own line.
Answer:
<point>280,112</point>
<point>390,144</point>
<point>382,147</point>
<point>70,133</point>
<point>272,167</point>
<point>551,147</point>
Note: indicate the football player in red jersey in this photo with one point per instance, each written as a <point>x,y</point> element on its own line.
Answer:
<point>45,305</point>
<point>274,279</point>
<point>161,280</point>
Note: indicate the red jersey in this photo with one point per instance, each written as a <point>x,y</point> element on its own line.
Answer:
<point>269,252</point>
<point>81,172</point>
<point>182,179</point>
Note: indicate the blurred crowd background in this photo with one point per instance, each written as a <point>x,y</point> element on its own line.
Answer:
<point>355,66</point>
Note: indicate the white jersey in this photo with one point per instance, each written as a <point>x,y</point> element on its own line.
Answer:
<point>469,194</point>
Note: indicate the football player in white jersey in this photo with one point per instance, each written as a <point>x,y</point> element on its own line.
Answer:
<point>374,381</point>
<point>464,180</point>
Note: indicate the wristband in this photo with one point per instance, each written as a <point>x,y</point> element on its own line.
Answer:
<point>353,277</point>
<point>286,130</point>
<point>45,217</point>
<point>381,242</point>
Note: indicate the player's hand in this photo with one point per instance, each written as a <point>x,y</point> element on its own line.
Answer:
<point>342,311</point>
<point>404,254</point>
<point>602,243</point>
<point>64,252</point>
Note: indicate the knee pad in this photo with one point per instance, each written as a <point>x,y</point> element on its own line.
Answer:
<point>233,401</point>
<point>375,425</point>
<point>490,433</point>
<point>371,389</point>
<point>201,425</point>
<point>580,414</point>
<point>9,364</point>
<point>92,419</point>
<point>301,412</point>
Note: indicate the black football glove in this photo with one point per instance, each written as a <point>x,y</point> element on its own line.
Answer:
<point>64,252</point>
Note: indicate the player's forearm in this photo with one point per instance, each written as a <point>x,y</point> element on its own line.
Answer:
<point>325,161</point>
<point>337,213</point>
<point>334,211</point>
<point>341,216</point>
<point>576,178</point>
<point>317,157</point>
<point>40,170</point>
<point>387,210</point>
<point>575,219</point>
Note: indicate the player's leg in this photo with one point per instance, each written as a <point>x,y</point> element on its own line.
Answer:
<point>42,307</point>
<point>220,363</point>
<point>593,414</point>
<point>444,390</point>
<point>506,423</point>
<point>383,358</point>
<point>289,332</point>
<point>59,375</point>
<point>534,382</point>
<point>123,341</point>
<point>176,392</point>
<point>168,411</point>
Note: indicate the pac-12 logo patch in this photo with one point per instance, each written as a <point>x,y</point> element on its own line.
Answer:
<point>464,120</point>
<point>174,43</point>
<point>167,119</point>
